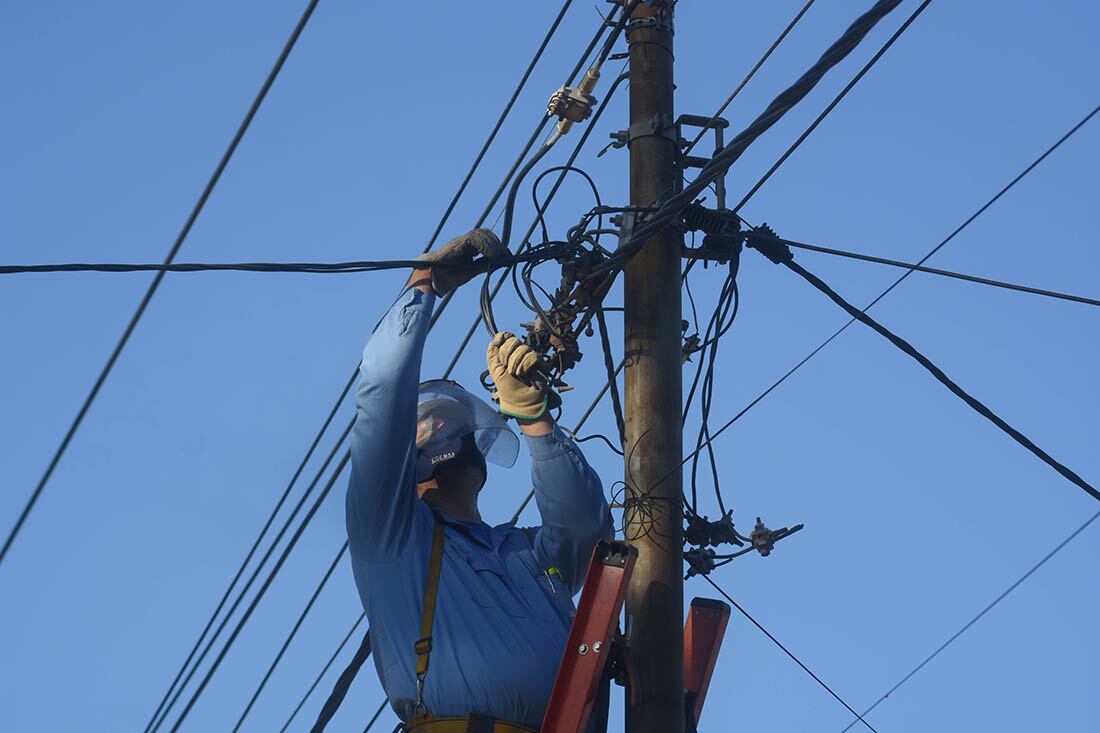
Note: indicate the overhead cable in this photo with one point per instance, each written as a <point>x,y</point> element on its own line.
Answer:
<point>261,592</point>
<point>500,120</point>
<point>754,236</point>
<point>836,100</point>
<point>152,289</point>
<point>166,708</point>
<point>296,267</point>
<point>438,310</point>
<point>774,385</point>
<point>978,617</point>
<point>975,404</point>
<point>788,652</point>
<point>530,230</point>
<point>749,76</point>
<point>323,672</point>
<point>251,553</point>
<point>672,207</point>
<point>290,637</point>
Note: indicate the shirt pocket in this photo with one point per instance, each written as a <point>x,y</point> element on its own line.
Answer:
<point>490,587</point>
<point>552,584</point>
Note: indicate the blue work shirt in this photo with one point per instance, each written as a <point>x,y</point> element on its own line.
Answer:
<point>501,620</point>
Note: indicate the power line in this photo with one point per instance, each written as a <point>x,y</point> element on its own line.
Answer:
<point>283,267</point>
<point>671,207</point>
<point>897,282</point>
<point>788,652</point>
<point>251,553</point>
<point>836,100</point>
<point>975,404</point>
<point>167,708</point>
<point>534,223</point>
<point>378,712</point>
<point>981,613</point>
<point>209,188</point>
<point>291,635</point>
<point>260,593</point>
<point>756,236</point>
<point>323,672</point>
<point>749,76</point>
<point>346,457</point>
<point>500,120</point>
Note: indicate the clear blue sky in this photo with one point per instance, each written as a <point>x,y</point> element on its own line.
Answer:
<point>917,511</point>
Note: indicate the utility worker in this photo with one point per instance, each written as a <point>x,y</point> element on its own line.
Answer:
<point>489,607</point>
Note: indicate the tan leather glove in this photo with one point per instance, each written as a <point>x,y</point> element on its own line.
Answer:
<point>513,367</point>
<point>458,258</point>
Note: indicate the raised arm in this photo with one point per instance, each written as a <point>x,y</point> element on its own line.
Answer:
<point>381,499</point>
<point>569,495</point>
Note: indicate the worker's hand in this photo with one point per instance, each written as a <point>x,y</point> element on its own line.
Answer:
<point>457,259</point>
<point>513,367</point>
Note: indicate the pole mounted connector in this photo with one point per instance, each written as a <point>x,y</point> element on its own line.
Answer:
<point>764,539</point>
<point>701,531</point>
<point>765,241</point>
<point>700,561</point>
<point>574,104</point>
<point>723,236</point>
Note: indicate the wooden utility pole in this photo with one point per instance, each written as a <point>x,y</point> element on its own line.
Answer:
<point>655,599</point>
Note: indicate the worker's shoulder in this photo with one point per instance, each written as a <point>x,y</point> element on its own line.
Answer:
<point>510,531</point>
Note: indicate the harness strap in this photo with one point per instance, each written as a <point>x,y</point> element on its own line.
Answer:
<point>422,646</point>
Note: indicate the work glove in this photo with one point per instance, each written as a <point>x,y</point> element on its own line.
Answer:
<point>513,366</point>
<point>458,257</point>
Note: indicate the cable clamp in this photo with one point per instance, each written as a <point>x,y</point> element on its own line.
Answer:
<point>764,240</point>
<point>574,104</point>
<point>700,561</point>
<point>764,539</point>
<point>659,21</point>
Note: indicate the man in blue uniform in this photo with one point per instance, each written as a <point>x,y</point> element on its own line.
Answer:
<point>468,622</point>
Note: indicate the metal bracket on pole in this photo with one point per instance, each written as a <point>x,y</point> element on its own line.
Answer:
<point>718,124</point>
<point>656,126</point>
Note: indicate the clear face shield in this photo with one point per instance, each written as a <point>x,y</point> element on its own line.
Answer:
<point>445,415</point>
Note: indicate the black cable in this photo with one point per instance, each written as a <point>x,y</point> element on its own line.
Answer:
<point>755,236</point>
<point>672,207</point>
<point>834,103</point>
<point>487,316</point>
<point>446,214</point>
<point>604,438</point>
<point>167,708</point>
<point>946,381</point>
<point>609,365</point>
<point>981,613</point>
<point>343,684</point>
<point>374,718</point>
<point>787,651</point>
<point>290,636</point>
<point>251,552</point>
<point>260,593</point>
<point>500,120</point>
<point>519,160</point>
<point>774,385</point>
<point>207,190</point>
<point>323,672</point>
<point>284,267</point>
<point>750,75</point>
<point>549,197</point>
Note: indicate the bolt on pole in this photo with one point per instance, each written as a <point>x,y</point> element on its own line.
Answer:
<point>654,524</point>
